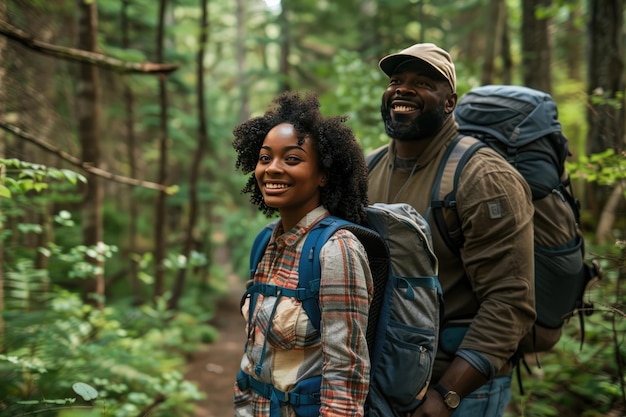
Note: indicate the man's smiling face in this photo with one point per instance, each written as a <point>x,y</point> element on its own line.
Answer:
<point>414,105</point>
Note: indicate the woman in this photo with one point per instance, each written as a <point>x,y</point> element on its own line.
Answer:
<point>305,167</point>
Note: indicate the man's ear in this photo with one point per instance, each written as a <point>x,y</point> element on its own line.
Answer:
<point>450,103</point>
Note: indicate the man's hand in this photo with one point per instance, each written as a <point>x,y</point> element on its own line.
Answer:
<point>433,406</point>
<point>460,377</point>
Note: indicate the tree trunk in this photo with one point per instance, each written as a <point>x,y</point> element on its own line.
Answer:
<point>244,109</point>
<point>493,32</point>
<point>606,76</point>
<point>88,111</point>
<point>194,175</point>
<point>507,59</point>
<point>536,46</point>
<point>3,95</point>
<point>604,231</point>
<point>285,42</point>
<point>571,40</point>
<point>605,83</point>
<point>131,152</point>
<point>160,223</point>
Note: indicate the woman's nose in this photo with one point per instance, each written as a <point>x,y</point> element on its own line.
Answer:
<point>274,166</point>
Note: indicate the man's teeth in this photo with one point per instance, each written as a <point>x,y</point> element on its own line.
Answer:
<point>275,186</point>
<point>403,108</point>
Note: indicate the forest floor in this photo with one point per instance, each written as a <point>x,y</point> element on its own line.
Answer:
<point>214,368</point>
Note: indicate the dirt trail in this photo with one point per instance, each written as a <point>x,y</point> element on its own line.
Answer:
<point>214,369</point>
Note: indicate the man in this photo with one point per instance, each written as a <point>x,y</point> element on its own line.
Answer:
<point>489,286</point>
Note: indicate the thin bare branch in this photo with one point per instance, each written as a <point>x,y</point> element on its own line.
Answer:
<point>79,55</point>
<point>77,162</point>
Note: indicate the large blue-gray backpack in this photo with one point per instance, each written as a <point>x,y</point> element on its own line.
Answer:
<point>404,317</point>
<point>522,125</point>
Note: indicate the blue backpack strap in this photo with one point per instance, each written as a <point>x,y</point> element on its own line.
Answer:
<point>443,194</point>
<point>309,271</point>
<point>256,253</point>
<point>310,268</point>
<point>305,397</point>
<point>259,245</point>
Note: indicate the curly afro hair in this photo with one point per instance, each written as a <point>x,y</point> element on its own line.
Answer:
<point>340,156</point>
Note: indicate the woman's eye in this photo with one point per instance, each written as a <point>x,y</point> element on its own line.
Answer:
<point>292,159</point>
<point>264,158</point>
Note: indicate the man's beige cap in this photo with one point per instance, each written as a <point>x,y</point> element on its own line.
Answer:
<point>429,53</point>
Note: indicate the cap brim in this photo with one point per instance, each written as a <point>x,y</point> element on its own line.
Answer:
<point>389,63</point>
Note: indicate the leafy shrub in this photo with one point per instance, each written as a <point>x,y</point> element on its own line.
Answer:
<point>63,357</point>
<point>134,357</point>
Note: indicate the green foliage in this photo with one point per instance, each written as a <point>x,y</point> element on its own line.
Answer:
<point>52,339</point>
<point>576,128</point>
<point>62,354</point>
<point>605,168</point>
<point>49,351</point>
<point>26,287</point>
<point>23,177</point>
<point>359,88</point>
<point>240,228</point>
<point>613,99</point>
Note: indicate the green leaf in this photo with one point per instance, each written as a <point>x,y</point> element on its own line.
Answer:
<point>87,392</point>
<point>172,189</point>
<point>4,191</point>
<point>39,186</point>
<point>27,173</point>
<point>60,401</point>
<point>26,185</point>
<point>73,177</point>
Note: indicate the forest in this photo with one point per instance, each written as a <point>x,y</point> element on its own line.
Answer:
<point>121,215</point>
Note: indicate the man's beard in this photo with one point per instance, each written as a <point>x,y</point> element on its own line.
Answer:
<point>425,126</point>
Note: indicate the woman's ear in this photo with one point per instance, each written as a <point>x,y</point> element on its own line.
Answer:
<point>324,180</point>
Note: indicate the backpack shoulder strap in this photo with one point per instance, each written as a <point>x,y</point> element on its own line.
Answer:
<point>259,245</point>
<point>310,268</point>
<point>374,158</point>
<point>444,190</point>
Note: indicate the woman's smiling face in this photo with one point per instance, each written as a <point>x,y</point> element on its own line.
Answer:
<point>288,174</point>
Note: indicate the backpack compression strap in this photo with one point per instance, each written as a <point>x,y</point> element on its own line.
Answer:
<point>444,190</point>
<point>306,393</point>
